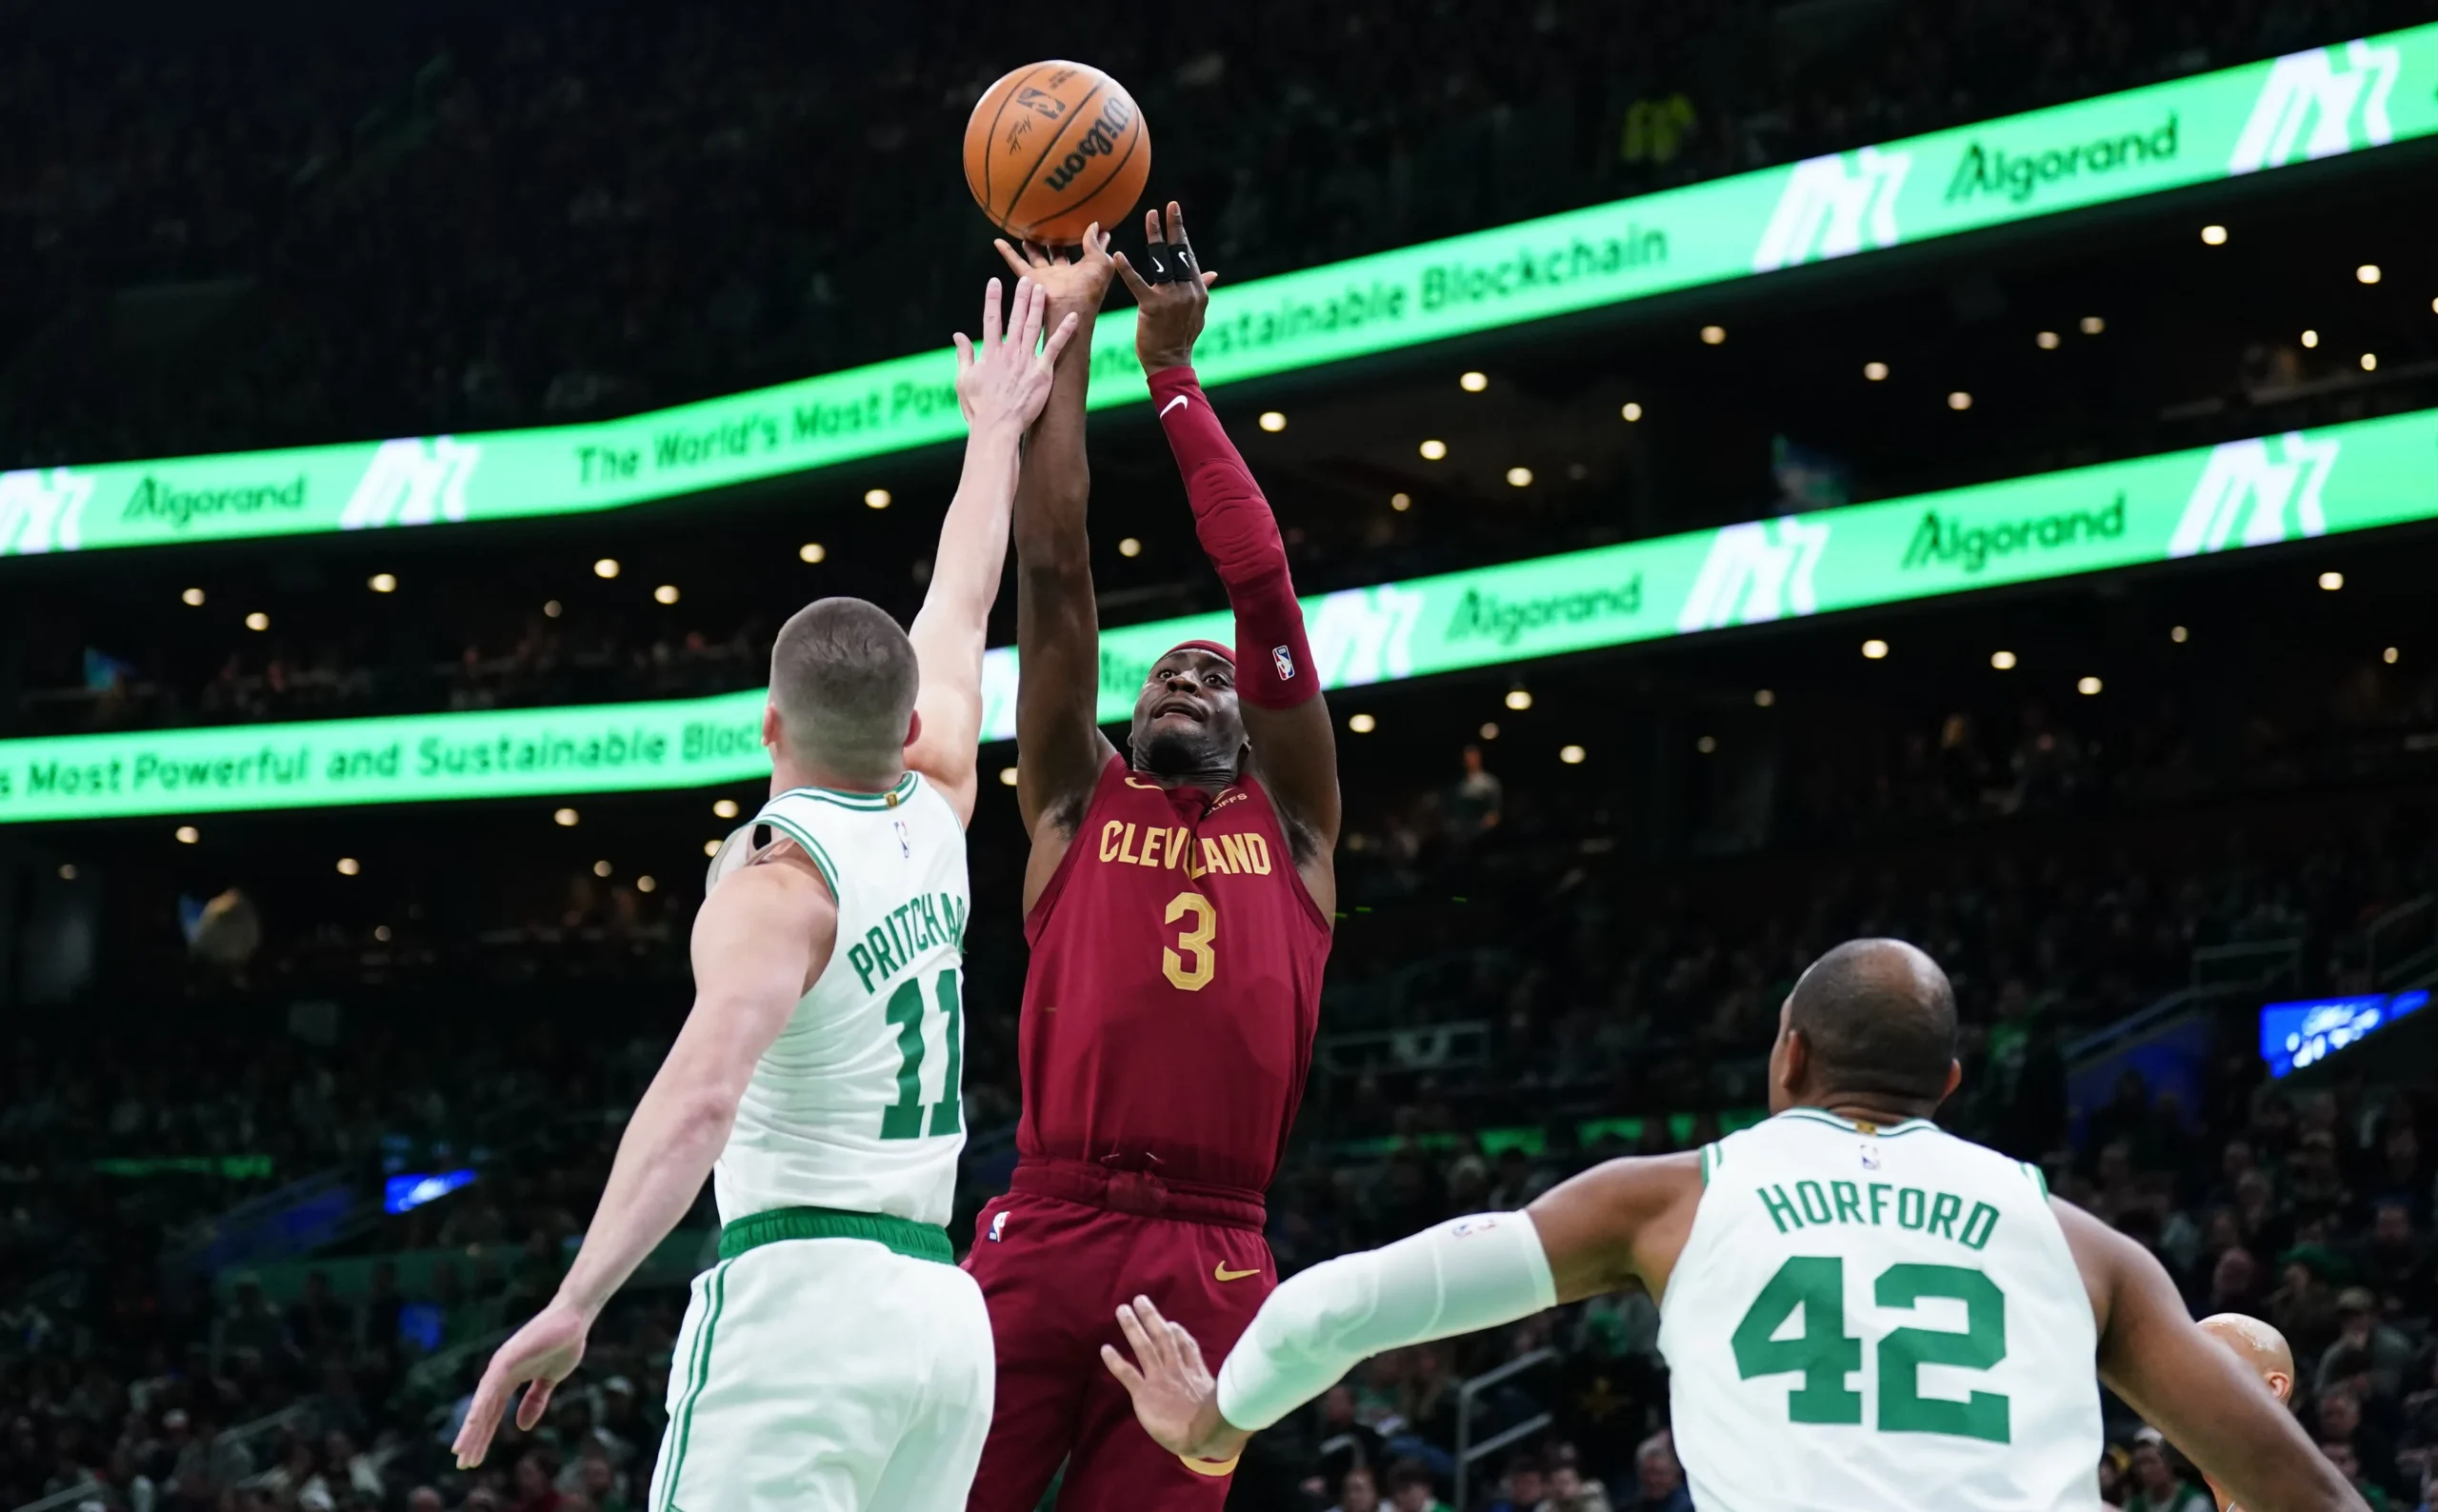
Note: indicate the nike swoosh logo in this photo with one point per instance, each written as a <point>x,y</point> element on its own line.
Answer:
<point>1221,1272</point>
<point>1171,404</point>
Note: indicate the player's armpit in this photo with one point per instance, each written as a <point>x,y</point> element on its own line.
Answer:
<point>2190,1388</point>
<point>1619,1221</point>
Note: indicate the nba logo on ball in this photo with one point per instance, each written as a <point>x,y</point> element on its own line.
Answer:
<point>1286,661</point>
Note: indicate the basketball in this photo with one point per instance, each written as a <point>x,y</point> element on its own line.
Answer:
<point>1053,146</point>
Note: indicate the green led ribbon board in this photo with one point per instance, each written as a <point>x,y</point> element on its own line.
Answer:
<point>2315,103</point>
<point>2150,509</point>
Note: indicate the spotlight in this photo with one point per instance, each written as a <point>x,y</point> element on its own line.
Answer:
<point>725,808</point>
<point>1519,699</point>
<point>1875,371</point>
<point>1763,697</point>
<point>606,568</point>
<point>666,593</point>
<point>1473,382</point>
<point>2367,273</point>
<point>1713,335</point>
<point>1489,730</point>
<point>564,818</point>
<point>2390,655</point>
<point>2310,338</point>
<point>189,835</point>
<point>1007,777</point>
<point>1632,412</point>
<point>2331,581</point>
<point>1400,502</point>
<point>2369,362</point>
<point>646,882</point>
<point>1129,546</point>
<point>2093,325</point>
<point>812,551</point>
<point>383,583</point>
<point>2003,661</point>
<point>1959,400</point>
<point>876,498</point>
<point>349,867</point>
<point>2046,341</point>
<point>2214,235</point>
<point>1362,724</point>
<point>2179,635</point>
<point>1572,755</point>
<point>192,598</point>
<point>1706,744</point>
<point>552,609</point>
<point>2087,686</point>
<point>601,868</point>
<point>1519,477</point>
<point>711,848</point>
<point>1433,449</point>
<point>1273,421</point>
<point>258,621</point>
<point>1874,649</point>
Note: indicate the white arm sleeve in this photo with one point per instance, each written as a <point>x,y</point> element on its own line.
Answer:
<point>1466,1274</point>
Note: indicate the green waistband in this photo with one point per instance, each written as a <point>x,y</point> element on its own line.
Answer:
<point>908,1238</point>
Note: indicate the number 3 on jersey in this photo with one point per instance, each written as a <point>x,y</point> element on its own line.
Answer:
<point>1825,1354</point>
<point>1191,962</point>
<point>903,1119</point>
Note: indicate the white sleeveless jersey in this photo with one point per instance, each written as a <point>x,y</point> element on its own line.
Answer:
<point>1878,1320</point>
<point>858,1106</point>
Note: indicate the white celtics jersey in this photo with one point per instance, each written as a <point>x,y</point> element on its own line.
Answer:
<point>1878,1320</point>
<point>859,1104</point>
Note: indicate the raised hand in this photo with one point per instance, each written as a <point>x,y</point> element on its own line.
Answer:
<point>1077,278</point>
<point>1006,379</point>
<point>1175,1397</point>
<point>544,1352</point>
<point>1173,291</point>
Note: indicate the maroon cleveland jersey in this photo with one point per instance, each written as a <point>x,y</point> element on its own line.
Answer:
<point>1176,984</point>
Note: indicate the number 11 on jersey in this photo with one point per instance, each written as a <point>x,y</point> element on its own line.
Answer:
<point>903,1119</point>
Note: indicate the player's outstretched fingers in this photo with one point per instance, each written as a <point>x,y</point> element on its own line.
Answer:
<point>964,350</point>
<point>481,1419</point>
<point>537,1402</point>
<point>1189,1348</point>
<point>1014,259</point>
<point>1121,1368</point>
<point>1156,1328</point>
<point>1030,303</point>
<point>990,313</point>
<point>1145,1342</point>
<point>1176,222</point>
<point>1058,340</point>
<point>1134,282</point>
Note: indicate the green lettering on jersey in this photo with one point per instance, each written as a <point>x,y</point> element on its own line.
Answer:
<point>1780,1209</point>
<point>1815,1201</point>
<point>1911,1206</point>
<point>861,959</point>
<point>1945,1210</point>
<point>1849,1201</point>
<point>882,951</point>
<point>1879,1191</point>
<point>1978,1227</point>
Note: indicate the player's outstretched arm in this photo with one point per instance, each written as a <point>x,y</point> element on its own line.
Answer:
<point>2190,1388</point>
<point>1001,385</point>
<point>1060,749</point>
<point>1284,715</point>
<point>765,933</point>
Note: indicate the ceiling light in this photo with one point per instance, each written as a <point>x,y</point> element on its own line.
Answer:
<point>381,933</point>
<point>1473,382</point>
<point>67,869</point>
<point>666,593</point>
<point>711,848</point>
<point>1519,477</point>
<point>1129,546</point>
<point>1763,697</point>
<point>258,621</point>
<point>1706,744</point>
<point>1959,400</point>
<point>188,834</point>
<point>564,818</point>
<point>1489,729</point>
<point>1433,449</point>
<point>2046,341</point>
<point>2369,362</point>
<point>2093,325</point>
<point>348,866</point>
<point>192,598</point>
<point>1632,412</point>
<point>1875,371</point>
<point>1572,755</point>
<point>2179,635</point>
<point>1874,649</point>
<point>646,882</point>
<point>1713,335</point>
<point>812,551</point>
<point>1362,724</point>
<point>2087,686</point>
<point>725,808</point>
<point>2310,338</point>
<point>2214,235</point>
<point>2390,655</point>
<point>1007,777</point>
<point>1273,421</point>
<point>2331,582</point>
<point>383,583</point>
<point>601,868</point>
<point>1400,502</point>
<point>2003,661</point>
<point>2367,273</point>
<point>876,498</point>
<point>552,610</point>
<point>1519,699</point>
<point>606,568</point>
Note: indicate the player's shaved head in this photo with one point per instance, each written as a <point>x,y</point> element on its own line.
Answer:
<point>2261,1347</point>
<point>843,677</point>
<point>1876,1020</point>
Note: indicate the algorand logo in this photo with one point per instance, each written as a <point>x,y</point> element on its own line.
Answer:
<point>414,481</point>
<point>1366,635</point>
<point>2271,486</point>
<point>42,509</point>
<point>1950,542</point>
<point>1828,209</point>
<point>2309,89</point>
<point>1756,571</point>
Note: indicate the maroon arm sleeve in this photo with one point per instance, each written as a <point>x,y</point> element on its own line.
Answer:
<point>1240,536</point>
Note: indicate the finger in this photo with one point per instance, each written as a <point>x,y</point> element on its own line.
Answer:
<point>1095,239</point>
<point>537,1400</point>
<point>1152,224</point>
<point>1209,280</point>
<point>481,1419</point>
<point>1137,1337</point>
<point>991,315</point>
<point>1040,255</point>
<point>1121,1368</point>
<point>1176,221</point>
<point>1156,1329</point>
<point>1029,305</point>
<point>1012,257</point>
<point>964,351</point>
<point>1189,1349</point>
<point>1058,340</point>
<point>1141,290</point>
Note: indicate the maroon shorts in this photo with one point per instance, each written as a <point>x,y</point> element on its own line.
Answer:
<point>1054,1258</point>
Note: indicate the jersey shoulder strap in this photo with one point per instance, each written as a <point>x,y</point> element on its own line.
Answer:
<point>828,823</point>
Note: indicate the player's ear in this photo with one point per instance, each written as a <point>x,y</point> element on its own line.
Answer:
<point>913,729</point>
<point>1954,1079</point>
<point>772,728</point>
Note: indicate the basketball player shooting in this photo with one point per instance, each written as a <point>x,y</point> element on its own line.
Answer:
<point>1178,901</point>
<point>835,1359</point>
<point>1811,1271</point>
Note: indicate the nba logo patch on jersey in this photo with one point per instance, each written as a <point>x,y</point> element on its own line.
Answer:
<point>1463,1227</point>
<point>998,1227</point>
<point>1286,661</point>
<point>1871,1157</point>
<point>904,841</point>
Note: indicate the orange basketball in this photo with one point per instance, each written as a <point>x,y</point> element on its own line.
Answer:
<point>1055,147</point>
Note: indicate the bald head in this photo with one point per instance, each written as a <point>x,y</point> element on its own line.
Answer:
<point>1877,1018</point>
<point>2262,1348</point>
<point>843,677</point>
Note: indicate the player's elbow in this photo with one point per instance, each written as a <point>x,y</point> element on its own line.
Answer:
<point>1321,1309</point>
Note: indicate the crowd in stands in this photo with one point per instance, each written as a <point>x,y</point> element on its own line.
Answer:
<point>223,237</point>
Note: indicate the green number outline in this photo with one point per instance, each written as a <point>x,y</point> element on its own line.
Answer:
<point>1823,1352</point>
<point>903,1119</point>
<point>1826,1354</point>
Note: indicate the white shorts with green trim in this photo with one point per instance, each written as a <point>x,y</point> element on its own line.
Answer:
<point>826,1375</point>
